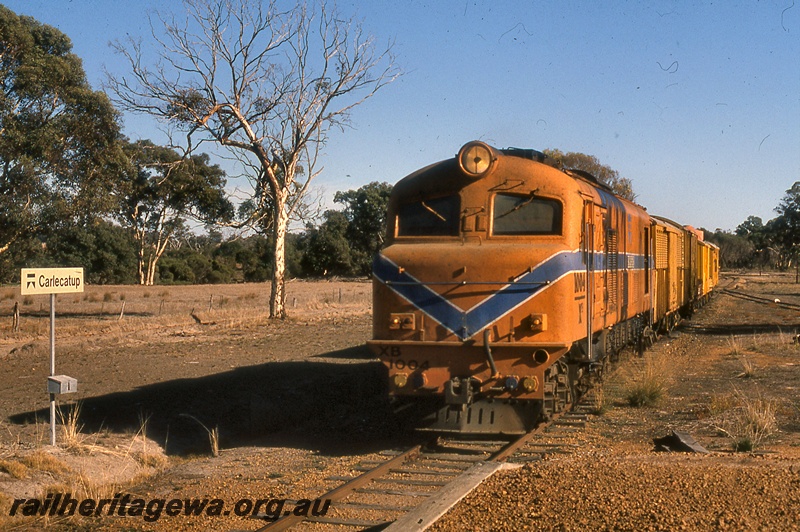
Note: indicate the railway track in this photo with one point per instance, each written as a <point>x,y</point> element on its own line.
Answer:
<point>411,489</point>
<point>731,289</point>
<point>760,299</point>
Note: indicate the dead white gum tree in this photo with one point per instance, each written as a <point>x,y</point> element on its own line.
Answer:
<point>268,84</point>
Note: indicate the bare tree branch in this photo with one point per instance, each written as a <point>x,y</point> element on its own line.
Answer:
<point>263,82</point>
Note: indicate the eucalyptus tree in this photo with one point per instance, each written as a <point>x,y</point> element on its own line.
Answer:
<point>264,81</point>
<point>785,229</point>
<point>326,249</point>
<point>621,186</point>
<point>60,149</point>
<point>365,211</point>
<point>161,190</point>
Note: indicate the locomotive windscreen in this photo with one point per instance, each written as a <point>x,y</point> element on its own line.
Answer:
<point>526,215</point>
<point>430,217</point>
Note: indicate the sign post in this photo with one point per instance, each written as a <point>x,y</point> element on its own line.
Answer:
<point>53,281</point>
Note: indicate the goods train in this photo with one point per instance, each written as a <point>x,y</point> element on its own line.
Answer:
<point>506,283</point>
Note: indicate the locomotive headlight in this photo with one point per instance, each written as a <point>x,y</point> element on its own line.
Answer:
<point>475,158</point>
<point>537,322</point>
<point>402,321</point>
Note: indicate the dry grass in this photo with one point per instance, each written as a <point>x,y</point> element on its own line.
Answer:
<point>41,460</point>
<point>144,457</point>
<point>213,434</point>
<point>92,489</point>
<point>759,343</point>
<point>234,318</point>
<point>75,441</point>
<point>151,460</point>
<point>213,440</point>
<point>14,468</point>
<point>749,421</point>
<point>102,479</point>
<point>71,436</point>
<point>720,403</point>
<point>735,346</point>
<point>6,521</point>
<point>600,402</point>
<point>95,313</point>
<point>770,343</point>
<point>646,382</point>
<point>748,368</point>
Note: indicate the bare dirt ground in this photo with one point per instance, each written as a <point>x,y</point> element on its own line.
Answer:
<point>296,401</point>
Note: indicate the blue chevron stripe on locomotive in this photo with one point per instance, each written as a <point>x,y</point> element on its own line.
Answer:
<point>466,324</point>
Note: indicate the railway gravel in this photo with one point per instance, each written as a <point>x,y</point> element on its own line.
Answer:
<point>607,490</point>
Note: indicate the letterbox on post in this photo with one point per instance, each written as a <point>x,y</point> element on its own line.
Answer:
<point>58,384</point>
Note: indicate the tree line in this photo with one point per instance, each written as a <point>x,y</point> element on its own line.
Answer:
<point>755,244</point>
<point>341,244</point>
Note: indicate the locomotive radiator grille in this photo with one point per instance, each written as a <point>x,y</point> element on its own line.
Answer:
<point>612,265</point>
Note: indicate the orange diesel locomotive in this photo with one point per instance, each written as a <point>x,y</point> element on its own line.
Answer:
<point>506,283</point>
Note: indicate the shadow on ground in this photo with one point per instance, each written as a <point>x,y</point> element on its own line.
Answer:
<point>335,404</point>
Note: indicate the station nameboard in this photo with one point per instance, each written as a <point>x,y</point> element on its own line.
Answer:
<point>51,281</point>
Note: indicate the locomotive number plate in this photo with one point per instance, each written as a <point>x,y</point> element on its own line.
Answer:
<point>392,355</point>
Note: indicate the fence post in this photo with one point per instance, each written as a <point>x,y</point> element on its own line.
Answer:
<point>15,320</point>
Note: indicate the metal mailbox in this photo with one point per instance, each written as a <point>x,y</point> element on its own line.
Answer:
<point>61,384</point>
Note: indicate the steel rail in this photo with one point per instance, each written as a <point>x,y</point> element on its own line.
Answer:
<point>758,299</point>
<point>287,521</point>
<point>515,445</point>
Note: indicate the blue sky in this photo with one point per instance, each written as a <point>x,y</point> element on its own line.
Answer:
<point>698,103</point>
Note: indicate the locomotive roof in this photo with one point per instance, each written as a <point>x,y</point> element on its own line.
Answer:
<point>447,176</point>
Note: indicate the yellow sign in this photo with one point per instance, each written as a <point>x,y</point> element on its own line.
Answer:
<point>51,281</point>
